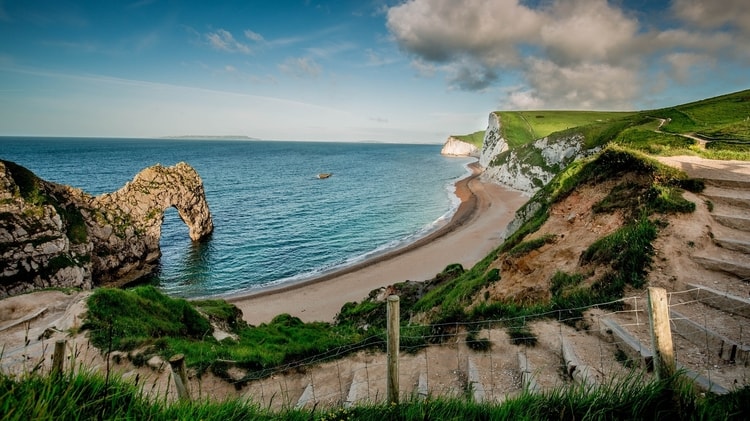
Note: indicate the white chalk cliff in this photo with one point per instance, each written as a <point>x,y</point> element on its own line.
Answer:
<point>456,147</point>
<point>531,166</point>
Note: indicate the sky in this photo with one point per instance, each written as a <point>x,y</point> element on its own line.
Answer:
<point>412,71</point>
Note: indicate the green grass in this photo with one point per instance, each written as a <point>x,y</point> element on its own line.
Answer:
<point>528,246</point>
<point>85,395</point>
<point>723,116</point>
<point>476,138</point>
<point>628,250</point>
<point>143,318</point>
<point>724,121</point>
<point>31,189</point>
<point>521,127</point>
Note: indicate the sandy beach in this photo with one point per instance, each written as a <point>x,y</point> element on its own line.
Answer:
<point>475,230</point>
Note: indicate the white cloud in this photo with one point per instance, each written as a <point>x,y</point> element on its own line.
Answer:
<point>253,36</point>
<point>585,31</point>
<point>569,53</point>
<point>525,100</point>
<point>714,14</point>
<point>375,58</point>
<point>582,86</point>
<point>423,68</point>
<point>442,30</point>
<point>300,67</point>
<point>223,40</point>
<point>684,65</point>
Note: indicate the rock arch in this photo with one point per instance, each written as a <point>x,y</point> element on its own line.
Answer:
<point>126,225</point>
<point>53,235</point>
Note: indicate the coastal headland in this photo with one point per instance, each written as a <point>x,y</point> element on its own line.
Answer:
<point>475,229</point>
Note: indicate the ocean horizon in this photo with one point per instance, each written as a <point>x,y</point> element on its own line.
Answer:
<point>275,221</point>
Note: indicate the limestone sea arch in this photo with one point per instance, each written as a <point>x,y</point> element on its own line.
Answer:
<point>57,235</point>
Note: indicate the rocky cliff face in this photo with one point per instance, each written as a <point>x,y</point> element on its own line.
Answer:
<point>457,147</point>
<point>527,168</point>
<point>493,144</point>
<point>531,166</point>
<point>56,235</point>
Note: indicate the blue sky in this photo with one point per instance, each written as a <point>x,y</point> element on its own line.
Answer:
<point>378,70</point>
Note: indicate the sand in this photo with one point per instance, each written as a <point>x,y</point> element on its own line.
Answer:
<point>476,229</point>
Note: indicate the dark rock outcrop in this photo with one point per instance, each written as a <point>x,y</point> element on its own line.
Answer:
<point>57,235</point>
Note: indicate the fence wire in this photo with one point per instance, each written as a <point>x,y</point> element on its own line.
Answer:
<point>486,360</point>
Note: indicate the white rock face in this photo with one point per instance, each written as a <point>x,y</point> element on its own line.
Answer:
<point>456,147</point>
<point>520,174</point>
<point>518,170</point>
<point>494,144</point>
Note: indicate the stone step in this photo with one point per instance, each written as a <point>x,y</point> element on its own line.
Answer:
<point>307,398</point>
<point>727,349</point>
<point>738,266</point>
<point>728,184</point>
<point>727,197</point>
<point>721,300</point>
<point>633,346</point>
<point>579,372</point>
<point>735,221</point>
<point>741,246</point>
<point>358,387</point>
<point>630,345</point>
<point>528,372</point>
<point>25,319</point>
<point>473,383</point>
<point>423,392</point>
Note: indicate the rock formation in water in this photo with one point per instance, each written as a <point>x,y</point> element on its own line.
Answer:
<point>457,147</point>
<point>52,235</point>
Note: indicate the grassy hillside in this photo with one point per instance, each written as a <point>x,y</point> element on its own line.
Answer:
<point>715,128</point>
<point>521,127</point>
<point>475,138</point>
<point>721,124</point>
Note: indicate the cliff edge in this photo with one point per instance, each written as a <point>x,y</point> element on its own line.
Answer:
<point>457,147</point>
<point>52,235</point>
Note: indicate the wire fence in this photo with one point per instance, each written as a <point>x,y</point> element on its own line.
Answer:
<point>486,360</point>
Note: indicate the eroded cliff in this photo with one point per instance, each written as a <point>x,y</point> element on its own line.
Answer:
<point>529,167</point>
<point>457,147</point>
<point>57,235</point>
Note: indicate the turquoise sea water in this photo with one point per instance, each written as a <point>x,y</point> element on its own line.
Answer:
<point>275,221</point>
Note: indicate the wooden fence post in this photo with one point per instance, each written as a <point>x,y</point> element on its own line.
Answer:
<point>58,357</point>
<point>177,362</point>
<point>392,347</point>
<point>661,334</point>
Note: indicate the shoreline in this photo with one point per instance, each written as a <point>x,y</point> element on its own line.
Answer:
<point>474,230</point>
<point>464,211</point>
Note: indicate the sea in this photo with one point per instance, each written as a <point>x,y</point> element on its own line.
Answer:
<point>275,221</point>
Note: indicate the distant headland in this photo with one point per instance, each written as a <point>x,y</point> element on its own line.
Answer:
<point>210,137</point>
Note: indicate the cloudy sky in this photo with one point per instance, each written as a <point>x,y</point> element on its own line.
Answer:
<point>380,70</point>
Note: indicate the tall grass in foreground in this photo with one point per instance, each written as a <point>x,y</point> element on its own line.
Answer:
<point>86,395</point>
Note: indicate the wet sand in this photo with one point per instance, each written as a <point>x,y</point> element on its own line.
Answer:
<point>475,229</point>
